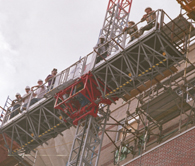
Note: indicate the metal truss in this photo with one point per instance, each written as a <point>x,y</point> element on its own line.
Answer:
<point>143,60</point>
<point>33,128</point>
<point>138,63</point>
<point>26,159</point>
<point>164,103</point>
<point>116,18</point>
<point>188,6</point>
<point>88,139</point>
<point>161,112</point>
<point>147,57</point>
<point>3,110</point>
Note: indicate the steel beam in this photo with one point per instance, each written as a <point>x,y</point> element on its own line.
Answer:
<point>88,139</point>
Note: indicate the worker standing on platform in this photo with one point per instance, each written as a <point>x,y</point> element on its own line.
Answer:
<point>51,78</point>
<point>26,98</point>
<point>16,105</point>
<point>40,89</point>
<point>150,17</point>
<point>132,30</point>
<point>102,49</point>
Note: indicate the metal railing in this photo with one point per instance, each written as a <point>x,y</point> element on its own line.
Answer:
<point>81,67</point>
<point>17,108</point>
<point>163,23</point>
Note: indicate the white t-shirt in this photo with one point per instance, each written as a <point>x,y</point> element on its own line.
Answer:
<point>18,102</point>
<point>27,98</point>
<point>40,91</point>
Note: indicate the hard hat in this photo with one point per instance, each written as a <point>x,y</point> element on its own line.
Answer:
<point>102,37</point>
<point>148,8</point>
<point>40,80</point>
<point>131,22</point>
<point>18,94</point>
<point>27,87</point>
<point>54,69</point>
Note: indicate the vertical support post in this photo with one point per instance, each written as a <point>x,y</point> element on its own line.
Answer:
<point>28,104</point>
<point>87,140</point>
<point>161,19</point>
<point>124,39</point>
<point>116,18</point>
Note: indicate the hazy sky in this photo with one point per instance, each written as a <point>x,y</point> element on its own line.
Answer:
<point>38,35</point>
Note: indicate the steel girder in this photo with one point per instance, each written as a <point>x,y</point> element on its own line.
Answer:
<point>35,127</point>
<point>88,139</point>
<point>116,18</point>
<point>140,61</point>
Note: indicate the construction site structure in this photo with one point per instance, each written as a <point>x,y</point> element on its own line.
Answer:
<point>153,75</point>
<point>189,6</point>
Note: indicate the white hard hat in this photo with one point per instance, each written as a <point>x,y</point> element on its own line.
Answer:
<point>18,94</point>
<point>27,87</point>
<point>102,37</point>
<point>40,80</point>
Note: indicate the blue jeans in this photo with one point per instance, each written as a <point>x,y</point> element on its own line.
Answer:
<point>15,110</point>
<point>33,101</point>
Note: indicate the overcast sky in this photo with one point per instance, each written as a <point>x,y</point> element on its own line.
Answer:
<point>38,35</point>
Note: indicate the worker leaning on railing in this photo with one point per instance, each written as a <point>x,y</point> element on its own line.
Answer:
<point>37,91</point>
<point>132,30</point>
<point>28,97</point>
<point>15,106</point>
<point>40,89</point>
<point>31,94</point>
<point>50,79</point>
<point>101,48</point>
<point>150,17</point>
<point>21,103</point>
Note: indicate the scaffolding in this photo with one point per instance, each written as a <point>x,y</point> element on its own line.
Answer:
<point>163,111</point>
<point>144,69</point>
<point>165,105</point>
<point>189,6</point>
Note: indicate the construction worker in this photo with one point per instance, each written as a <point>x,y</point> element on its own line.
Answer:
<point>102,49</point>
<point>150,17</point>
<point>16,105</point>
<point>51,78</point>
<point>40,89</point>
<point>132,30</point>
<point>26,98</point>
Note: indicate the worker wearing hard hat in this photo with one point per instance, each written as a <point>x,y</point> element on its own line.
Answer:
<point>16,105</point>
<point>150,17</point>
<point>102,49</point>
<point>132,30</point>
<point>26,98</point>
<point>40,89</point>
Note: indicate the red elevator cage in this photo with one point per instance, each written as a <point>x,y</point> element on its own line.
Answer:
<point>78,100</point>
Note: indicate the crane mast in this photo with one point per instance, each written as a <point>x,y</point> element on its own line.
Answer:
<point>82,94</point>
<point>116,18</point>
<point>87,143</point>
